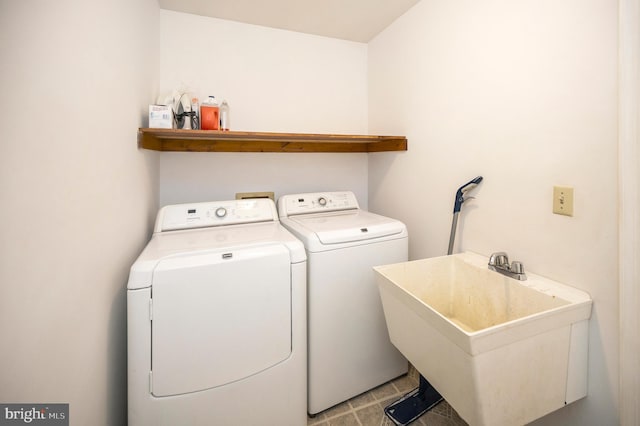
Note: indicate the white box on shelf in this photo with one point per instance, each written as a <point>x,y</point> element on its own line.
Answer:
<point>160,117</point>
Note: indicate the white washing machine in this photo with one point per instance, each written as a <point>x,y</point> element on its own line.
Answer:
<point>216,307</point>
<point>349,351</point>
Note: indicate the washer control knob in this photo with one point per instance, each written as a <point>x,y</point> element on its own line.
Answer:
<point>221,212</point>
<point>322,201</point>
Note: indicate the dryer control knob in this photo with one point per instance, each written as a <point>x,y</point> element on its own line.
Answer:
<point>322,201</point>
<point>221,212</point>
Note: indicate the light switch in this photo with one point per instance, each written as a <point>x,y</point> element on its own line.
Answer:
<point>563,200</point>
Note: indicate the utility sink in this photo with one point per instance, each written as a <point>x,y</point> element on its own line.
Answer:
<point>499,350</point>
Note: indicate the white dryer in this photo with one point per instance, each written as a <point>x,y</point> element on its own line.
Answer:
<point>216,307</point>
<point>349,351</point>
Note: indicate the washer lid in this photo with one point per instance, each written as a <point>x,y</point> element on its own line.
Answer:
<point>348,226</point>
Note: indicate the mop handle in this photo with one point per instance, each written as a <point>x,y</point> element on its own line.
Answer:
<point>457,205</point>
<point>452,236</point>
<point>464,188</point>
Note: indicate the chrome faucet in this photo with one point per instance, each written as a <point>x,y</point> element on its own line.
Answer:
<point>499,262</point>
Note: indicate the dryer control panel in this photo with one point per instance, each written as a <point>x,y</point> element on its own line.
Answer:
<point>316,202</point>
<point>215,213</point>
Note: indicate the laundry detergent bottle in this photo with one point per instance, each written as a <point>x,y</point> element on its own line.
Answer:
<point>210,114</point>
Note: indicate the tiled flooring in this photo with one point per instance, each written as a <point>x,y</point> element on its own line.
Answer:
<point>368,409</point>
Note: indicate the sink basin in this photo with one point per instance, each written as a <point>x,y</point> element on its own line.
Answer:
<point>499,350</point>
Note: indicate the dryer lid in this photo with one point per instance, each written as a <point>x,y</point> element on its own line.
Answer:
<point>219,318</point>
<point>348,226</point>
<point>186,243</point>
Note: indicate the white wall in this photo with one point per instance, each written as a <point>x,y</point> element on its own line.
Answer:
<point>523,93</point>
<point>629,194</point>
<point>77,197</point>
<point>274,81</point>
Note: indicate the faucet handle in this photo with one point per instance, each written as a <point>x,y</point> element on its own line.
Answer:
<point>499,259</point>
<point>517,267</point>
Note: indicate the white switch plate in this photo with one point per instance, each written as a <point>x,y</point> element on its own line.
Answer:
<point>563,200</point>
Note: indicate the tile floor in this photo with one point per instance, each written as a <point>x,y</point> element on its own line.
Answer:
<point>368,409</point>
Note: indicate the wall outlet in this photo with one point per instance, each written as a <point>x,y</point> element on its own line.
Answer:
<point>563,200</point>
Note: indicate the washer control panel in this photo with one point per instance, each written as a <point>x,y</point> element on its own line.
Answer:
<point>316,202</point>
<point>215,213</point>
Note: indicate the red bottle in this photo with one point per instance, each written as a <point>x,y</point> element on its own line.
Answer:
<point>210,114</point>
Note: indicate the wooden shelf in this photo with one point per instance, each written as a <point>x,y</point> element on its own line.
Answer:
<point>232,141</point>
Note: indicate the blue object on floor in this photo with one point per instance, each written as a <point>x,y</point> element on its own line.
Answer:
<point>414,404</point>
<point>425,397</point>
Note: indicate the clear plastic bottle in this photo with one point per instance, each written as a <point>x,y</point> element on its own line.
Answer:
<point>210,114</point>
<point>224,115</point>
<point>195,109</point>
